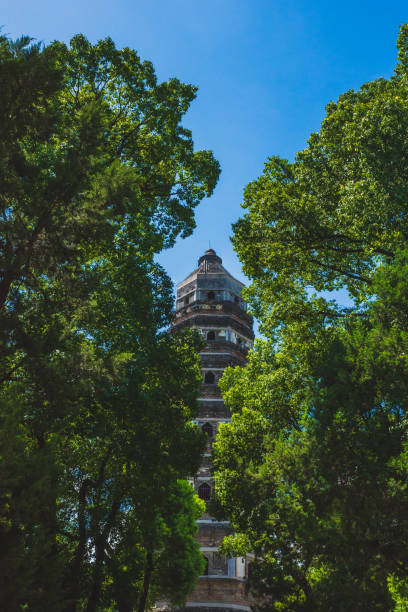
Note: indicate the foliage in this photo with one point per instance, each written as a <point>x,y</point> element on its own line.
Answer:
<point>399,592</point>
<point>325,221</point>
<point>312,471</point>
<point>165,540</point>
<point>313,468</point>
<point>97,176</point>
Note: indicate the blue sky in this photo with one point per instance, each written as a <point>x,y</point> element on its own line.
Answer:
<point>265,71</point>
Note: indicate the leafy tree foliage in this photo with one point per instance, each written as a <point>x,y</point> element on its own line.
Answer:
<point>97,176</point>
<point>325,221</point>
<point>312,471</point>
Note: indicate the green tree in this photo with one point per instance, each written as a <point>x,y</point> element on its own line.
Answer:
<point>312,470</point>
<point>325,221</point>
<point>97,176</point>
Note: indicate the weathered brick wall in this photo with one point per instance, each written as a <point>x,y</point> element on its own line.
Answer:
<point>219,590</point>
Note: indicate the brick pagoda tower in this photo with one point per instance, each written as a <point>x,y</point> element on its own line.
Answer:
<point>210,300</point>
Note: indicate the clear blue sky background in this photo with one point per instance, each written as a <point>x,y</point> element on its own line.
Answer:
<point>265,71</point>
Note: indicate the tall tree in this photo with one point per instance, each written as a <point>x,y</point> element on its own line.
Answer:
<point>312,470</point>
<point>97,176</point>
<point>325,221</point>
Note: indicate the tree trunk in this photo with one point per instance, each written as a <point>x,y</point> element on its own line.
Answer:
<point>73,589</point>
<point>74,582</point>
<point>146,582</point>
<point>100,545</point>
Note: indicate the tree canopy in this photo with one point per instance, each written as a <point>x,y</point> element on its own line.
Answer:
<point>312,470</point>
<point>97,175</point>
<point>325,221</point>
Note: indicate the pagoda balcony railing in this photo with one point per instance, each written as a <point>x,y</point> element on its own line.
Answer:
<point>223,306</point>
<point>219,344</point>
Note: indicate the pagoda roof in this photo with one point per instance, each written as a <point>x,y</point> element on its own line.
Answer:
<point>209,263</point>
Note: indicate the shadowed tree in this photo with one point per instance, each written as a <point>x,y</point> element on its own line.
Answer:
<point>312,470</point>
<point>97,176</point>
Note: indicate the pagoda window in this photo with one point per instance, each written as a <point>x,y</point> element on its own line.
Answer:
<point>204,491</point>
<point>211,295</point>
<point>209,378</point>
<point>206,566</point>
<point>211,335</point>
<point>207,429</point>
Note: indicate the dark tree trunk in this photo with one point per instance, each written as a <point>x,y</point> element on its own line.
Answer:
<point>74,583</point>
<point>100,546</point>
<point>146,582</point>
<point>73,588</point>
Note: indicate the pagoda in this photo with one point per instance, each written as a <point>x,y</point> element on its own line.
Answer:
<point>210,301</point>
